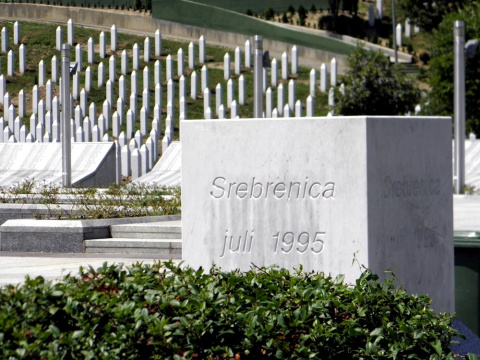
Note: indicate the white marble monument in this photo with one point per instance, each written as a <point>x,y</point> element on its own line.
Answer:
<point>349,190</point>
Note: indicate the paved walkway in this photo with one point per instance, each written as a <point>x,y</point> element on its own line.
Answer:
<point>15,266</point>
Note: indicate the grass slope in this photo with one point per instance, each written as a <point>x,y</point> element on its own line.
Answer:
<point>201,15</point>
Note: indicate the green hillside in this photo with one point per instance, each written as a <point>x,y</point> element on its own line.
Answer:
<point>201,15</point>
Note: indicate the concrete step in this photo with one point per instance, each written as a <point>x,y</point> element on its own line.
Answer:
<point>169,248</point>
<point>153,230</point>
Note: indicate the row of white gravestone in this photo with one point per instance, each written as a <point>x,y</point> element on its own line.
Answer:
<point>40,107</point>
<point>85,129</point>
<point>4,37</point>
<point>51,106</point>
<point>182,85</point>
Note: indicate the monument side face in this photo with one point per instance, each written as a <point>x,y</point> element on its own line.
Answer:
<point>308,192</point>
<point>411,204</point>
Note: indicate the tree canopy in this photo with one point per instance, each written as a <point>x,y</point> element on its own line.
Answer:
<point>441,68</point>
<point>375,87</point>
<point>428,13</point>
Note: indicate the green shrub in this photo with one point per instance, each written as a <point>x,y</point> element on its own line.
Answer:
<point>165,311</point>
<point>269,14</point>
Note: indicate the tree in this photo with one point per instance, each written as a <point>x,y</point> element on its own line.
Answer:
<point>428,13</point>
<point>374,87</point>
<point>302,15</point>
<point>269,14</point>
<point>291,10</point>
<point>334,6</point>
<point>440,99</point>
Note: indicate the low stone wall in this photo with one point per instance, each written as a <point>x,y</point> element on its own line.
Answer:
<point>61,236</point>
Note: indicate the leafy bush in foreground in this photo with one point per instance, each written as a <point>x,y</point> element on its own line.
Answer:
<point>165,311</point>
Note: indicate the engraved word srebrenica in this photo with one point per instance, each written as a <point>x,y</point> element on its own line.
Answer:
<point>280,190</point>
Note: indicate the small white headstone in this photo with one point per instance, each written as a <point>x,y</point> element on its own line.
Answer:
<point>133,82</point>
<point>124,62</point>
<point>241,90</point>
<point>11,63</point>
<point>309,106</point>
<point>146,78</point>
<point>333,72</point>
<point>298,109</point>
<point>136,57</point>
<point>4,40</point>
<point>280,99</point>
<point>193,85</point>
<point>88,79</point>
<point>323,78</point>
<point>16,33</point>
<point>130,124</point>
<point>102,46</point>
<point>408,28</point>
<point>248,54</point>
<point>180,62</point>
<point>58,38</point>
<point>101,75</point>
<point>204,80</point>
<point>191,56</point>
<point>291,94</point>
<point>115,124</point>
<point>313,82</point>
<point>136,164</point>
<point>22,104</point>
<point>126,161</point>
<point>268,103</point>
<point>169,68</point>
<point>294,60</point>
<point>226,66</point>
<point>54,75</point>
<point>145,159</point>
<point>157,73</point>
<point>284,66</point>
<point>22,59</point>
<point>202,50</point>
<point>87,129</point>
<point>158,43</point>
<point>70,32</point>
<point>146,49</point>
<point>230,92</point>
<point>112,68</point>
<point>238,61</point>
<point>113,38</point>
<point>274,72</point>
<point>218,97</point>
<point>398,34</point>
<point>79,57</point>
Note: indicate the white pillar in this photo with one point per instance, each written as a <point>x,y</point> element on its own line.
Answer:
<point>294,60</point>
<point>191,56</point>
<point>201,50</point>
<point>158,43</point>
<point>146,49</point>
<point>70,32</point>
<point>113,38</point>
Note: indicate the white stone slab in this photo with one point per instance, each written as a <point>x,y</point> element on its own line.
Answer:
<point>348,190</point>
<point>167,171</point>
<point>92,163</point>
